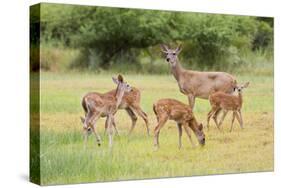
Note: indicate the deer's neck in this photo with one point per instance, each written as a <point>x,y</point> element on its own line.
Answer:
<point>194,126</point>
<point>118,96</point>
<point>177,70</point>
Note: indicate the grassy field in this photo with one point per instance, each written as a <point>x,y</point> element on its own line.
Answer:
<point>64,160</point>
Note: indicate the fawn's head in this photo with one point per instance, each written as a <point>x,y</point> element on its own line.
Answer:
<point>201,135</point>
<point>171,55</point>
<point>197,128</point>
<point>85,129</point>
<point>240,88</point>
<point>122,86</point>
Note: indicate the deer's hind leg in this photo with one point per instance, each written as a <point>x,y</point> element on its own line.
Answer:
<point>210,114</point>
<point>133,118</point>
<point>215,116</point>
<point>143,115</point>
<point>222,118</point>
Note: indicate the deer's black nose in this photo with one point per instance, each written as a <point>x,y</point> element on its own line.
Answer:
<point>168,59</point>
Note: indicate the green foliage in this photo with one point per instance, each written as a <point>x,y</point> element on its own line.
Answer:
<point>114,36</point>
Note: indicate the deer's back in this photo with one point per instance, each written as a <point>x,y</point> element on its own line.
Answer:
<point>225,101</point>
<point>129,97</point>
<point>201,84</point>
<point>172,108</point>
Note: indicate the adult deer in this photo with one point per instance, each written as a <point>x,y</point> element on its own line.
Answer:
<point>103,106</point>
<point>196,84</point>
<point>130,102</point>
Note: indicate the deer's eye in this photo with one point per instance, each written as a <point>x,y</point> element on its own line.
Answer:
<point>174,53</point>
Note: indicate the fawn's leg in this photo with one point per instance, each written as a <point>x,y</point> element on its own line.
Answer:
<point>222,118</point>
<point>241,119</point>
<point>86,125</point>
<point>110,130</point>
<point>93,121</point>
<point>233,118</point>
<point>180,134</point>
<point>114,125</point>
<point>133,118</point>
<point>210,114</point>
<point>143,115</point>
<point>160,124</point>
<point>215,116</point>
<point>189,135</point>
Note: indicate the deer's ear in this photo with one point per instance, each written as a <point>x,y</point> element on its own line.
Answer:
<point>164,48</point>
<point>82,119</point>
<point>200,127</point>
<point>115,80</point>
<point>246,84</point>
<point>179,48</point>
<point>120,78</point>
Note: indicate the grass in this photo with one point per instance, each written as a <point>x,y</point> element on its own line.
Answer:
<point>65,160</point>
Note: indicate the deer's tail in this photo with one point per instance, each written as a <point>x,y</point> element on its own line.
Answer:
<point>154,109</point>
<point>84,105</point>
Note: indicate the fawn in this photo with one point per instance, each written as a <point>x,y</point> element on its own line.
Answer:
<point>130,102</point>
<point>165,109</point>
<point>227,102</point>
<point>103,106</point>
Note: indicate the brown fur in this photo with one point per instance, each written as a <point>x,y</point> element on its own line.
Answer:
<point>226,102</point>
<point>130,102</point>
<point>99,105</point>
<point>195,83</point>
<point>170,109</point>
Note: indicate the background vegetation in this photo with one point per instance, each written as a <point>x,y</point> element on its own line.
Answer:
<point>102,38</point>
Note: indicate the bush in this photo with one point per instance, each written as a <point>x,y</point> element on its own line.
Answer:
<point>106,37</point>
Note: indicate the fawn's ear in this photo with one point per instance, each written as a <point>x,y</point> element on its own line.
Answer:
<point>246,84</point>
<point>120,78</point>
<point>179,48</point>
<point>164,48</point>
<point>82,119</point>
<point>115,80</point>
<point>200,127</point>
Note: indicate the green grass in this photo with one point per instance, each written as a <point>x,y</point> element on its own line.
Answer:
<point>65,160</point>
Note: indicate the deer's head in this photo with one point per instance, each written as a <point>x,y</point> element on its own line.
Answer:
<point>85,129</point>
<point>240,88</point>
<point>200,135</point>
<point>171,55</point>
<point>121,84</point>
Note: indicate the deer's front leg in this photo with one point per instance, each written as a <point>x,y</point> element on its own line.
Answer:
<point>180,134</point>
<point>191,100</point>
<point>189,135</point>
<point>241,119</point>
<point>109,129</point>
<point>93,122</point>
